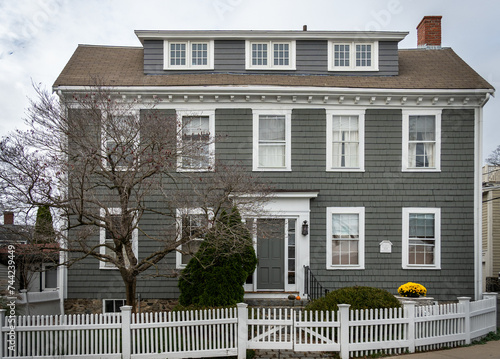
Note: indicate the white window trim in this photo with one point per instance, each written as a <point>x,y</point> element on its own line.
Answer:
<point>188,66</point>
<point>44,280</point>
<point>104,306</point>
<point>102,239</point>
<point>437,237</point>
<point>288,140</point>
<point>178,218</point>
<point>360,211</point>
<point>352,56</point>
<point>329,139</point>
<point>104,140</point>
<point>270,55</point>
<point>211,127</point>
<point>406,123</point>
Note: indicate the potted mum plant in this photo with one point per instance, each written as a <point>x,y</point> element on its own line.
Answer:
<point>412,290</point>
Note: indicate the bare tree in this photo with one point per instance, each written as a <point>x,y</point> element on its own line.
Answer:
<point>107,164</point>
<point>494,157</point>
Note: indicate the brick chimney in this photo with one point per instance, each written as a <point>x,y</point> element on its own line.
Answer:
<point>8,217</point>
<point>429,32</point>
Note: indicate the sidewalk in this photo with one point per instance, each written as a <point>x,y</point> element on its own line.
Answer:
<point>478,351</point>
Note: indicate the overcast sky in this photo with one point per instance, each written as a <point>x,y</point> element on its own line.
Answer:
<point>37,37</point>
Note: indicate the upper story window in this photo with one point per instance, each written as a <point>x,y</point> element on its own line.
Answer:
<point>352,56</point>
<point>195,141</point>
<point>121,138</point>
<point>272,141</point>
<point>181,55</point>
<point>421,140</point>
<point>421,238</point>
<point>345,140</point>
<point>270,55</point>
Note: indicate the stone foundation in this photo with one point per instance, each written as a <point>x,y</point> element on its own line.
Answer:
<point>94,306</point>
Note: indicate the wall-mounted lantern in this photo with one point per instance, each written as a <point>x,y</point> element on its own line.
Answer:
<point>305,228</point>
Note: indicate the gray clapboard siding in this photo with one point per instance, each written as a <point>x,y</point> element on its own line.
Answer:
<point>382,189</point>
<point>311,58</point>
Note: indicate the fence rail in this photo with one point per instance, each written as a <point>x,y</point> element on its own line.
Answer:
<point>229,332</point>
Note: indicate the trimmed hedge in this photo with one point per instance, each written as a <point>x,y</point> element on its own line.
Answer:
<point>357,297</point>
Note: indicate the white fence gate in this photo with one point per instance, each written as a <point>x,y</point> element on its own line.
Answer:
<point>229,332</point>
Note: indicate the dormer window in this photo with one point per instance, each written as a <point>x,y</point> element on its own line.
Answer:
<point>352,56</point>
<point>194,55</point>
<point>270,55</point>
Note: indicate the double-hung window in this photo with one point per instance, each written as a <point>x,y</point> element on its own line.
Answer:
<point>345,237</point>
<point>421,238</point>
<point>272,141</point>
<point>112,224</point>
<point>120,135</point>
<point>195,141</point>
<point>352,56</point>
<point>421,140</point>
<point>270,55</point>
<point>345,140</point>
<point>192,225</point>
<point>192,54</point>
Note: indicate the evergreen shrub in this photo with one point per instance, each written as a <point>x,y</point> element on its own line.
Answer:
<point>357,297</point>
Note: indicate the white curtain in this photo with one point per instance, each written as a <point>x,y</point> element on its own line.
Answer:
<point>272,141</point>
<point>422,142</point>
<point>345,142</point>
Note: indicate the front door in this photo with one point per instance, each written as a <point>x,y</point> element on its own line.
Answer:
<point>271,254</point>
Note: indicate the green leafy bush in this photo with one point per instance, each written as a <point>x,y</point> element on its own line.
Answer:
<point>357,297</point>
<point>214,277</point>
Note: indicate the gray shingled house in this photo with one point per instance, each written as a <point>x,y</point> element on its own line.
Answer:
<point>374,150</point>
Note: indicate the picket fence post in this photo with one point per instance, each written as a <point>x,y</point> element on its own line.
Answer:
<point>344,330</point>
<point>126,331</point>
<point>2,323</point>
<point>242,330</point>
<point>409,312</point>
<point>464,302</point>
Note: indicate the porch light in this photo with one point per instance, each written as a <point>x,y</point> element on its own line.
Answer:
<point>305,228</point>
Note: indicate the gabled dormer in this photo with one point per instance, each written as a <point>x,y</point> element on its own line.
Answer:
<point>274,52</point>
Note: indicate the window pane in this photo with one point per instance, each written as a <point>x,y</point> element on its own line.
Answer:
<point>259,54</point>
<point>178,54</point>
<point>272,141</point>
<point>363,55</point>
<point>199,54</point>
<point>196,142</point>
<point>341,55</point>
<point>345,236</point>
<point>50,277</point>
<point>345,146</point>
<point>281,54</point>
<point>421,141</point>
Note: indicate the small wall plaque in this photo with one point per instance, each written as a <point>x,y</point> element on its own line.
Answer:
<point>385,246</point>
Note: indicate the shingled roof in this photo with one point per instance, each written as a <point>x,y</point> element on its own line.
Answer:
<point>123,66</point>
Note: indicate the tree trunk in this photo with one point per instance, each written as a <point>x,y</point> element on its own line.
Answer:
<point>130,287</point>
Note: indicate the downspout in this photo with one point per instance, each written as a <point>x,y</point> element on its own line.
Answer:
<point>478,208</point>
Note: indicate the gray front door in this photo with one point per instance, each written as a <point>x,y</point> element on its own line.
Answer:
<point>271,254</point>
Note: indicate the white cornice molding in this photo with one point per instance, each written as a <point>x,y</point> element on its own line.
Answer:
<point>268,34</point>
<point>297,96</point>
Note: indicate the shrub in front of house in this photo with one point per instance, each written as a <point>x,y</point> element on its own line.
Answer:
<point>214,277</point>
<point>357,297</point>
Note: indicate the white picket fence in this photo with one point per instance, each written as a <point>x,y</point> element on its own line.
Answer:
<point>229,332</point>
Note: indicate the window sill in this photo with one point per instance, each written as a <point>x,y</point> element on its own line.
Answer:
<point>421,267</point>
<point>353,69</point>
<point>421,170</point>
<point>345,268</point>
<point>266,169</point>
<point>345,170</point>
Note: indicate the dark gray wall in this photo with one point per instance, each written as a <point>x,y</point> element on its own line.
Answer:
<point>311,58</point>
<point>382,189</point>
